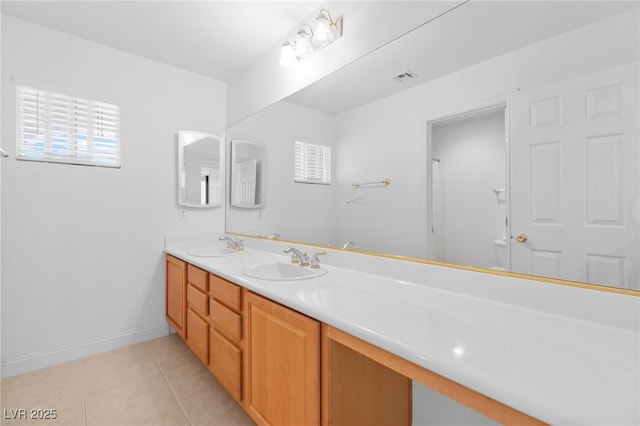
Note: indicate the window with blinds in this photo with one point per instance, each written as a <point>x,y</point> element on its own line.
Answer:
<point>313,163</point>
<point>58,128</point>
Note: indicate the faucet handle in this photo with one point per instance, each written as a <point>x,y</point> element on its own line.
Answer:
<point>239,245</point>
<point>315,262</point>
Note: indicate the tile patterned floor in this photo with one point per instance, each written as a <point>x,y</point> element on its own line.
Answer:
<point>155,383</point>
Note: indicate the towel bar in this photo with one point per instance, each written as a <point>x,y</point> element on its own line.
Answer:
<point>385,182</point>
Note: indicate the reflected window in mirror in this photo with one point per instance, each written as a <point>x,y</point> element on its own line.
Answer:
<point>199,175</point>
<point>247,174</point>
<point>313,163</point>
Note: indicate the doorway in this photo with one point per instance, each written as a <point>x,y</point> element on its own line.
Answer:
<point>468,188</point>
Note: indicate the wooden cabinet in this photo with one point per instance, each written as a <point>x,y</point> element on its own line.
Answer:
<point>357,390</point>
<point>176,296</point>
<point>282,364</point>
<point>268,357</point>
<point>197,311</point>
<point>225,337</point>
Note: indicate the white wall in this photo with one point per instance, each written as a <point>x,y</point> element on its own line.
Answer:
<point>277,127</point>
<point>82,247</point>
<point>472,154</point>
<point>1,162</point>
<point>431,408</point>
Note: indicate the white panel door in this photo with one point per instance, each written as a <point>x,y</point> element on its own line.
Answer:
<point>575,180</point>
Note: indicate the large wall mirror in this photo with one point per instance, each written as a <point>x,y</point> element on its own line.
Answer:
<point>509,134</point>
<point>199,171</point>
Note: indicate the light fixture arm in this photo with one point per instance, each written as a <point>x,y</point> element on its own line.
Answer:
<point>306,28</point>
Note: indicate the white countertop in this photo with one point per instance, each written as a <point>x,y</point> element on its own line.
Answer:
<point>561,365</point>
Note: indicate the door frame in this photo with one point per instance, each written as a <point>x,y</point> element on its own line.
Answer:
<point>426,169</point>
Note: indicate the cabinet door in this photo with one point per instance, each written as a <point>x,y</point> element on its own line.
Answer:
<point>198,336</point>
<point>176,297</point>
<point>282,364</point>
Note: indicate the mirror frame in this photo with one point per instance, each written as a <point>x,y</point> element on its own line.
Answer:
<point>518,275</point>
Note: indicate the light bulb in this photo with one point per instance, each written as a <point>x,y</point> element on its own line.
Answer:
<point>287,55</point>
<point>322,34</point>
<point>303,45</point>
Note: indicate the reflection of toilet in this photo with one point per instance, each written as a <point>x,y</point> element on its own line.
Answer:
<point>500,249</point>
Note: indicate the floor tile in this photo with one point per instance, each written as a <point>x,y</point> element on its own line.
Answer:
<point>60,408</point>
<point>45,381</point>
<point>202,396</point>
<point>167,347</point>
<point>123,386</point>
<point>181,367</point>
<point>157,409</point>
<point>102,366</point>
<point>232,416</point>
<point>160,382</point>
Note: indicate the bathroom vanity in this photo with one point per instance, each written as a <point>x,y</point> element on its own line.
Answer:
<point>344,347</point>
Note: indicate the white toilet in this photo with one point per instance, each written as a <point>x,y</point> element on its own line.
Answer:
<point>500,250</point>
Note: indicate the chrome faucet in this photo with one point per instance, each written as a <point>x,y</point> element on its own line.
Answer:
<point>297,256</point>
<point>351,245</point>
<point>237,245</point>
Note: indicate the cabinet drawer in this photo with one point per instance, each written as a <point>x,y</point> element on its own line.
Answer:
<point>198,277</point>
<point>198,336</point>
<point>226,363</point>
<point>226,321</point>
<point>197,300</point>
<point>226,292</point>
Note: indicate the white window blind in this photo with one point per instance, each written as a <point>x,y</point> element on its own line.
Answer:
<point>313,163</point>
<point>54,127</point>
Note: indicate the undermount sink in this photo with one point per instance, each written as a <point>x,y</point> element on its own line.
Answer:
<point>213,252</point>
<point>282,272</point>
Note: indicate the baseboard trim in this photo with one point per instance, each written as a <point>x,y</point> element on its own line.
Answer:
<point>37,361</point>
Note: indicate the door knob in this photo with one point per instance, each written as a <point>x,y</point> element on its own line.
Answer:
<point>521,238</point>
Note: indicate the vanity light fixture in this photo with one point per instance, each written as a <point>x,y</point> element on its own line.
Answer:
<point>309,40</point>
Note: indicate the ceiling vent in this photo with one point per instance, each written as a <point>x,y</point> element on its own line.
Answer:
<point>405,76</point>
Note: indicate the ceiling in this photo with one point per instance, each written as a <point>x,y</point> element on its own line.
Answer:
<point>214,38</point>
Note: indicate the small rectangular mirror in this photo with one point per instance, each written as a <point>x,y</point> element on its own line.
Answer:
<point>199,176</point>
<point>247,174</point>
